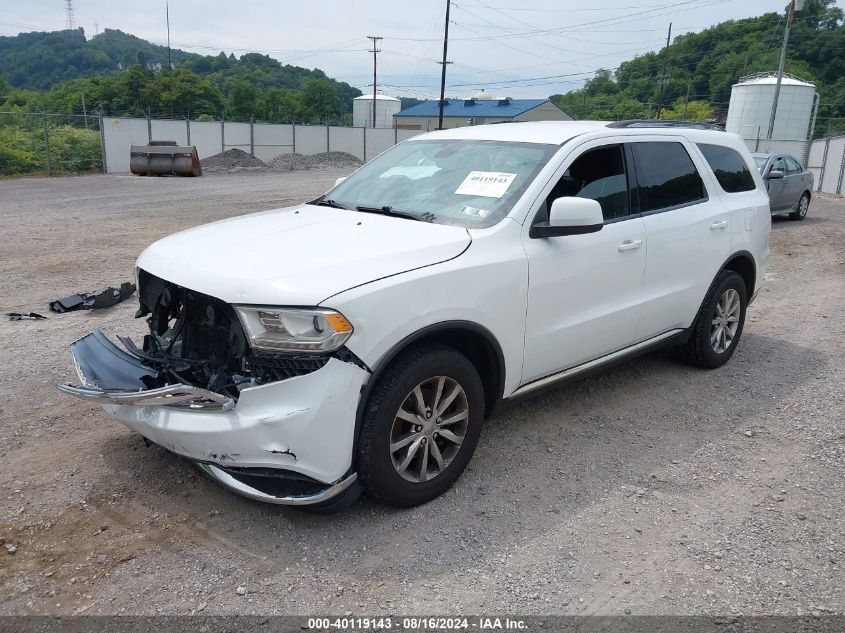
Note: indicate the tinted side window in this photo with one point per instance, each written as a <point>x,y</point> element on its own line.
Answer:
<point>792,165</point>
<point>666,175</point>
<point>729,167</point>
<point>598,174</point>
<point>778,164</point>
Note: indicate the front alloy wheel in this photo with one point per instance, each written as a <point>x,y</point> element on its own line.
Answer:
<point>428,429</point>
<point>420,425</point>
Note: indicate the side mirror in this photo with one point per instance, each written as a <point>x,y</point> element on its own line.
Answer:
<point>570,216</point>
<point>339,180</point>
<point>775,174</point>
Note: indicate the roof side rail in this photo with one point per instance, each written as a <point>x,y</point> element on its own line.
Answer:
<point>665,123</point>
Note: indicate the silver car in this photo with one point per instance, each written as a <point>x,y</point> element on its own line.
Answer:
<point>788,182</point>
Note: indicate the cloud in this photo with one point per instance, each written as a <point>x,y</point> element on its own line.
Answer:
<point>513,47</point>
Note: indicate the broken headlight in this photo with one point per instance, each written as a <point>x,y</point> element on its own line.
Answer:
<point>294,329</point>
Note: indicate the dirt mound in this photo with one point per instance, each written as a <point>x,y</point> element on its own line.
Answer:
<point>232,160</point>
<point>326,160</point>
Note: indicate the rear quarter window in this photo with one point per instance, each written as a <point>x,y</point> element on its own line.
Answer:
<point>729,168</point>
<point>666,176</point>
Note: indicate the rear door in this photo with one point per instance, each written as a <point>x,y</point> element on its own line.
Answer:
<point>796,184</point>
<point>779,188</point>
<point>688,231</point>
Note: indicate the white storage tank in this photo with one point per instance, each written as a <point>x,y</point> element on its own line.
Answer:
<point>362,110</point>
<point>751,107</point>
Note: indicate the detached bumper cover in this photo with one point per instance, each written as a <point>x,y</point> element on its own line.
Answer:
<point>112,375</point>
<point>304,424</point>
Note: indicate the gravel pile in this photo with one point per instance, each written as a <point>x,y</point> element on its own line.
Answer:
<point>230,161</point>
<point>326,160</point>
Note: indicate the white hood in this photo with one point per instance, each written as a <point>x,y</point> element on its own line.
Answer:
<point>298,256</point>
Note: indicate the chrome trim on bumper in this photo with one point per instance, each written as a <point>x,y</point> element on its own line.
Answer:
<point>186,396</point>
<point>111,375</point>
<point>241,488</point>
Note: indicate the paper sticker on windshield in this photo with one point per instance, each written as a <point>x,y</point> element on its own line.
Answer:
<point>475,212</point>
<point>490,184</point>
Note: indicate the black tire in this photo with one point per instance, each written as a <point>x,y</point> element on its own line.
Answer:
<point>375,463</point>
<point>698,350</point>
<point>801,210</point>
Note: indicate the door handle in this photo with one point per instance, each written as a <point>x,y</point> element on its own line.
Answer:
<point>721,224</point>
<point>629,245</point>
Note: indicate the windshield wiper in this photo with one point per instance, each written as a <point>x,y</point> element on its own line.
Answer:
<point>388,210</point>
<point>328,202</point>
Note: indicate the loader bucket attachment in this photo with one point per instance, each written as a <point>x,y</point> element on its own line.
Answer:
<point>164,158</point>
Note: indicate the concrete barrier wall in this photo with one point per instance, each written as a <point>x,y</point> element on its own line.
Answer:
<point>119,134</point>
<point>831,180</point>
<point>273,140</point>
<point>206,136</point>
<point>347,139</point>
<point>169,131</point>
<point>266,141</point>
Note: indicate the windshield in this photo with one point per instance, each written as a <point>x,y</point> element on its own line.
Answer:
<point>467,183</point>
<point>761,162</point>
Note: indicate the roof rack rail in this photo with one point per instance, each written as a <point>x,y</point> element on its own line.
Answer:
<point>641,123</point>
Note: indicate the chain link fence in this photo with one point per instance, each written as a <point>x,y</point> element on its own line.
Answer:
<point>46,144</point>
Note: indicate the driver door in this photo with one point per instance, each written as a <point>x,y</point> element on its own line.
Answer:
<point>585,291</point>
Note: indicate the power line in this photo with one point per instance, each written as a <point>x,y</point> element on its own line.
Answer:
<point>621,19</point>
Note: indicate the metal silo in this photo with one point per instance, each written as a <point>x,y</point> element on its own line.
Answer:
<point>751,106</point>
<point>362,110</point>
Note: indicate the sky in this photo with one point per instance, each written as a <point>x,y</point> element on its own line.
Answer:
<point>516,48</point>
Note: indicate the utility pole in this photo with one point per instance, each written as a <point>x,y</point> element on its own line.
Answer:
<point>169,64</point>
<point>84,111</point>
<point>663,78</point>
<point>167,16</point>
<point>443,70</point>
<point>376,50</point>
<point>790,17</point>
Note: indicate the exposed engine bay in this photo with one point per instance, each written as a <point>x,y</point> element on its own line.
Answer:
<point>198,340</point>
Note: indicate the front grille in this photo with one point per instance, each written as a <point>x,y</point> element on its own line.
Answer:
<point>207,334</point>
<point>271,367</point>
<point>207,325</point>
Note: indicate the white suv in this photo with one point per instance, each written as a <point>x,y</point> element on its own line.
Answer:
<point>358,342</point>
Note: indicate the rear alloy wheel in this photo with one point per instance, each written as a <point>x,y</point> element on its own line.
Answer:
<point>718,324</point>
<point>726,321</point>
<point>420,425</point>
<point>803,205</point>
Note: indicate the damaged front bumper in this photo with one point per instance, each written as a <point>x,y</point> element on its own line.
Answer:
<point>288,442</point>
<point>111,375</point>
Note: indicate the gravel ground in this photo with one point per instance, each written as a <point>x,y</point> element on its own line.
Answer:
<point>654,488</point>
<point>325,160</point>
<point>232,160</point>
<point>238,161</point>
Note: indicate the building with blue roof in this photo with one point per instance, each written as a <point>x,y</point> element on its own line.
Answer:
<point>478,110</point>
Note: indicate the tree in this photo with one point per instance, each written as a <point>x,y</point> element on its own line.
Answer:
<point>283,106</point>
<point>700,111</point>
<point>320,97</point>
<point>189,94</point>
<point>243,97</point>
